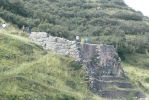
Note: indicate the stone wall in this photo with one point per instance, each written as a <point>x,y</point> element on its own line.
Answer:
<point>56,44</point>
<point>98,58</point>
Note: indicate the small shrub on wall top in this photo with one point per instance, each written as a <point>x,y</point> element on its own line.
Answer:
<point>75,65</point>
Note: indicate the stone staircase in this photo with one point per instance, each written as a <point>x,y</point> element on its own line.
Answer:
<point>122,94</point>
<point>115,88</point>
<point>106,75</point>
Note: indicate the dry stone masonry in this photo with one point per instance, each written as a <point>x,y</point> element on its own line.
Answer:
<point>102,63</point>
<point>56,44</point>
<point>105,73</point>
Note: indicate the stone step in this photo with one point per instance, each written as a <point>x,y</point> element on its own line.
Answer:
<point>109,78</point>
<point>119,94</point>
<point>99,85</point>
<point>118,84</point>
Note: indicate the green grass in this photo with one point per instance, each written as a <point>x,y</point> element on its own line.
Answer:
<point>137,68</point>
<point>1,20</point>
<point>13,30</point>
<point>27,73</point>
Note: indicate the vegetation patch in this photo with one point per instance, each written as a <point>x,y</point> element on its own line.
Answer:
<point>27,72</point>
<point>137,71</point>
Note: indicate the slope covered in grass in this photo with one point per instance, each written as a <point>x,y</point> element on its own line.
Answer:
<point>1,20</point>
<point>109,21</point>
<point>29,73</point>
<point>67,18</point>
<point>137,68</point>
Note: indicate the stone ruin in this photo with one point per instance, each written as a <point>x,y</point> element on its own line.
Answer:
<point>56,44</point>
<point>102,63</point>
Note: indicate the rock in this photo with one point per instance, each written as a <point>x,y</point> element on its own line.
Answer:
<point>38,35</point>
<point>51,39</point>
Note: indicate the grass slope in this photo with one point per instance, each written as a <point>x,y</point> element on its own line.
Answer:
<point>29,73</point>
<point>137,68</point>
<point>67,18</point>
<point>109,21</point>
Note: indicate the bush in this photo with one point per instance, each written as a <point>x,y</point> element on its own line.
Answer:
<point>16,19</point>
<point>76,65</point>
<point>147,80</point>
<point>66,97</point>
<point>71,84</point>
<point>128,16</point>
<point>15,6</point>
<point>26,49</point>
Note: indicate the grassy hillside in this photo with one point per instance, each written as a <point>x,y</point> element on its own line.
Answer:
<point>67,18</point>
<point>27,73</point>
<point>61,17</point>
<point>109,21</point>
<point>1,20</point>
<point>137,68</point>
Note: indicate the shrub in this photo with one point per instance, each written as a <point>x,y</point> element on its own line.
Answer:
<point>128,16</point>
<point>71,84</point>
<point>75,65</point>
<point>66,97</point>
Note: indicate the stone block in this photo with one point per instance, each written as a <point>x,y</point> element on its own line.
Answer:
<point>38,35</point>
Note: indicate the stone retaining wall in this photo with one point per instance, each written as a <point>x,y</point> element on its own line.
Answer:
<point>56,44</point>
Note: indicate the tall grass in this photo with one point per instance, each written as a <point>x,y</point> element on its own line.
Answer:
<point>29,73</point>
<point>137,68</point>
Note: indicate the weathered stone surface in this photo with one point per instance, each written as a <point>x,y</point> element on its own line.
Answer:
<point>111,78</point>
<point>56,44</point>
<point>39,35</point>
<point>99,85</point>
<point>103,58</point>
<point>120,94</point>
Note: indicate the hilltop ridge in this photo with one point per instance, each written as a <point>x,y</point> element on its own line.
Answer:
<point>105,21</point>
